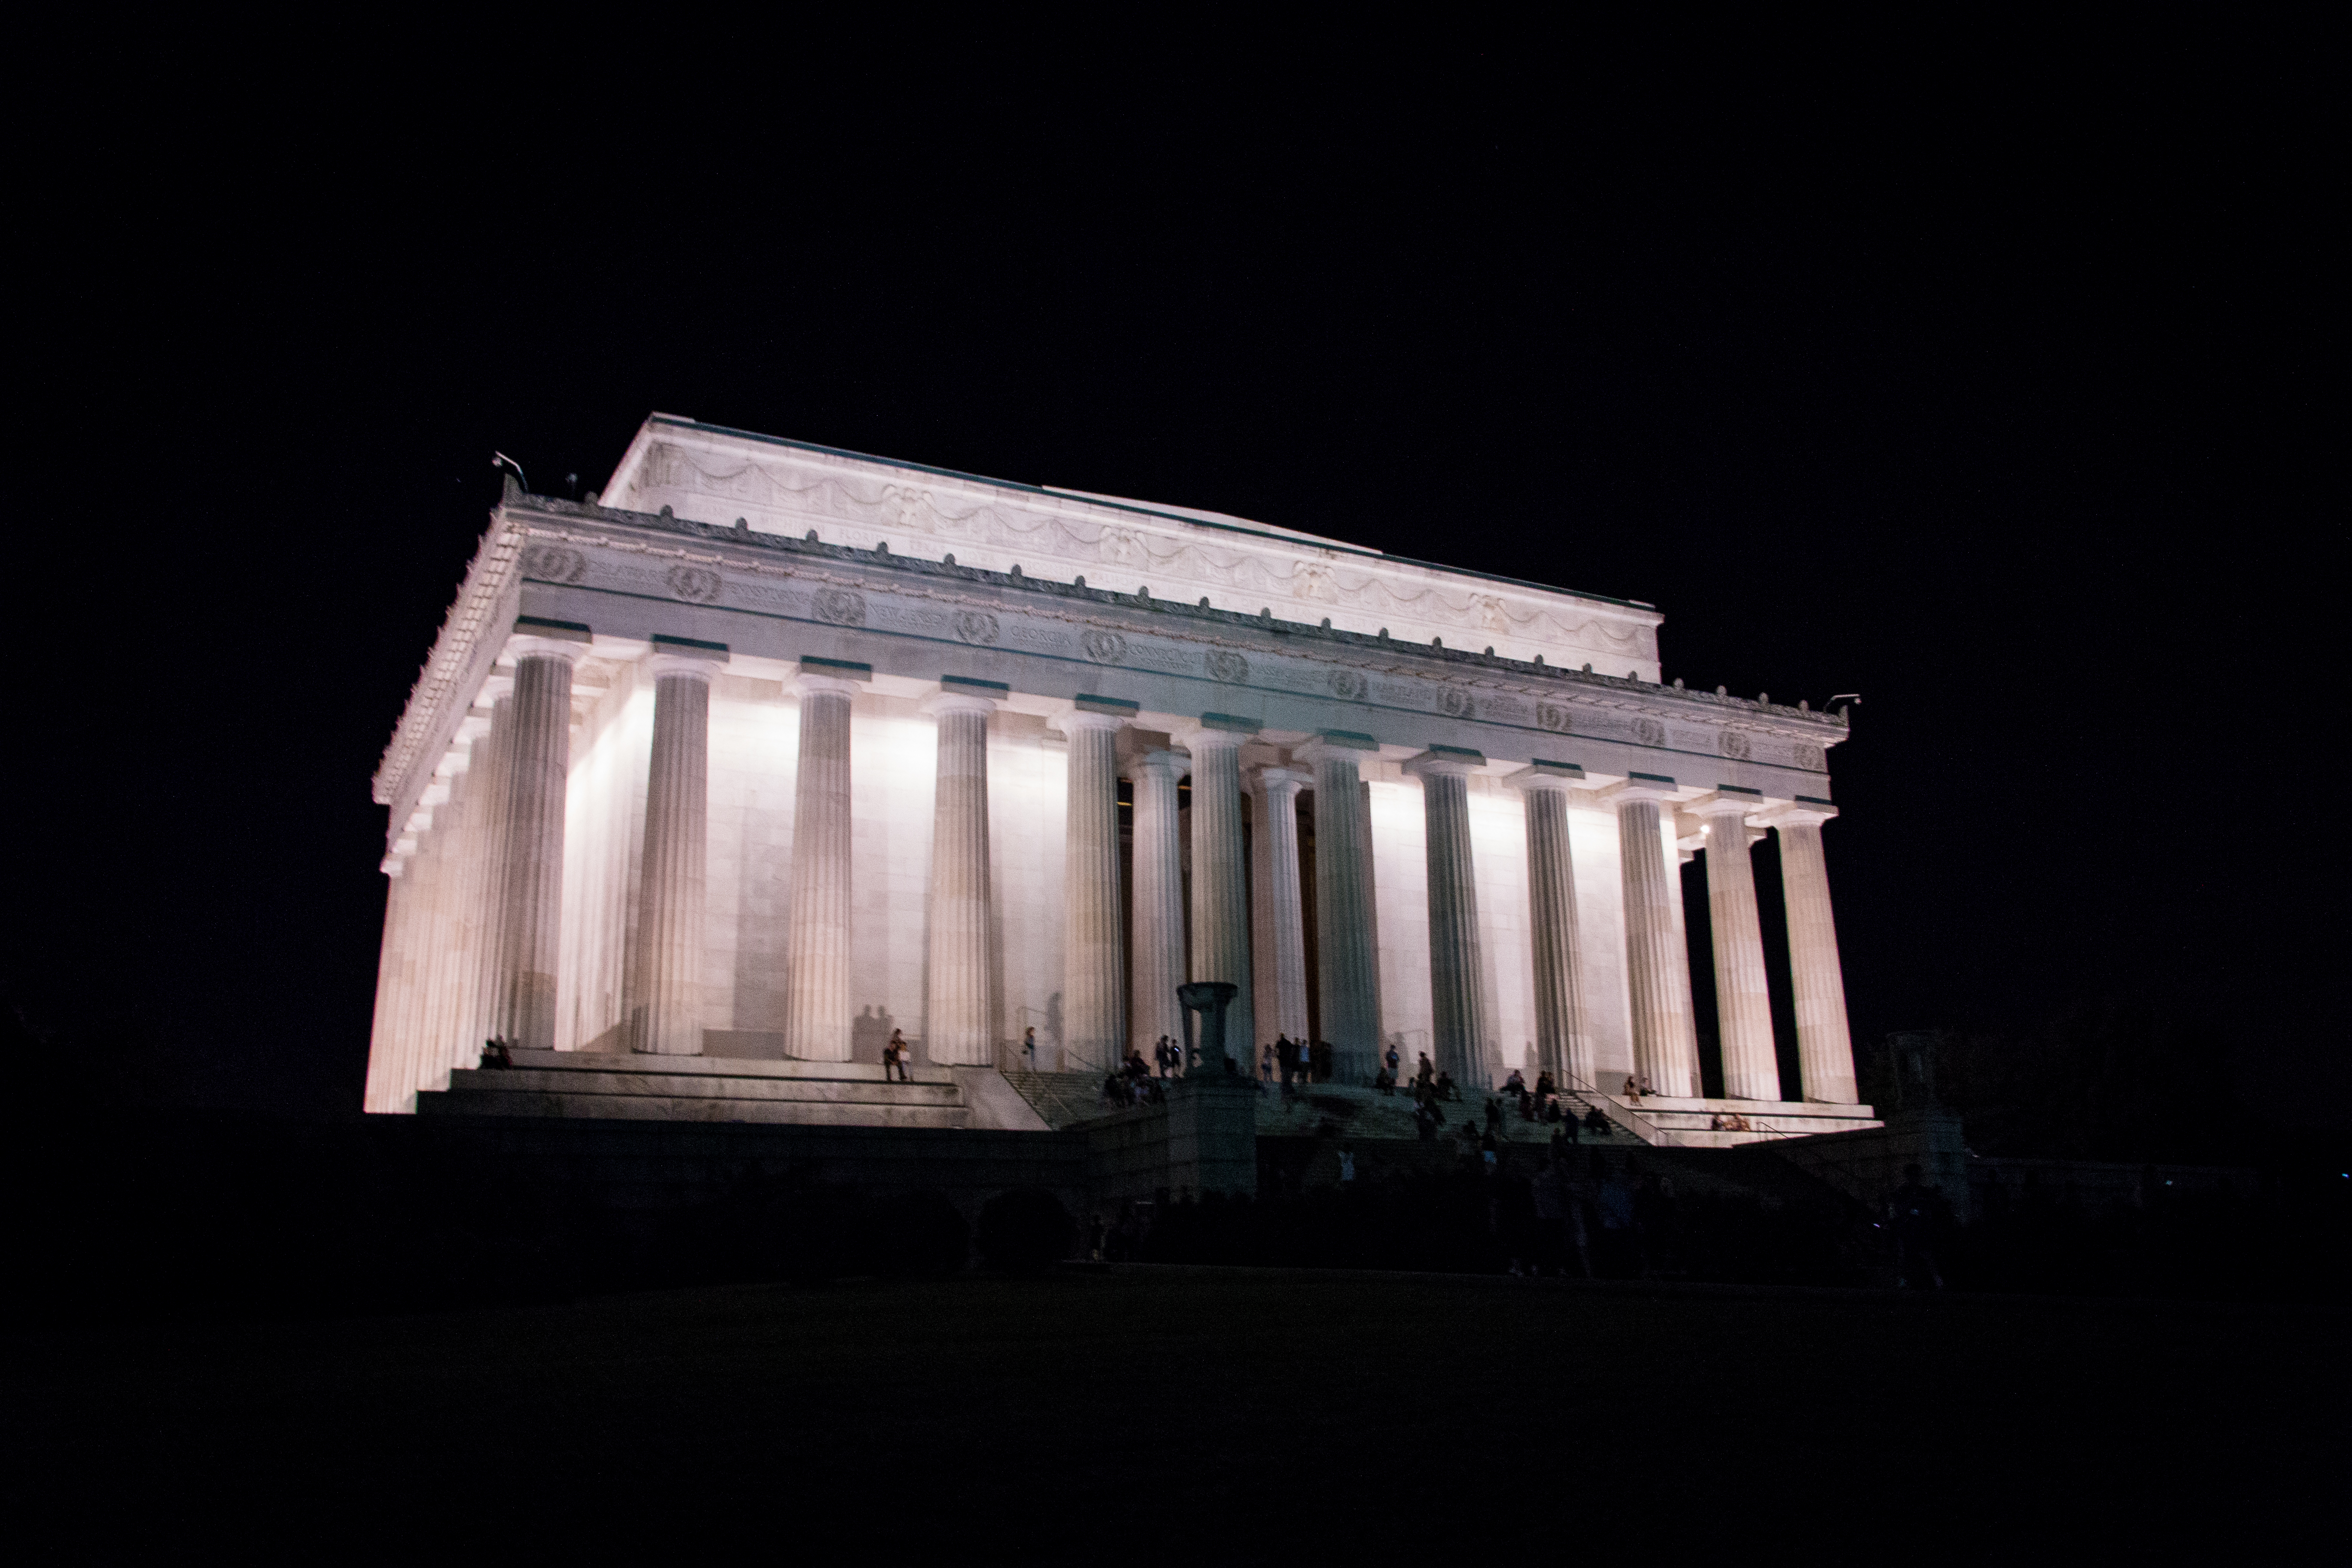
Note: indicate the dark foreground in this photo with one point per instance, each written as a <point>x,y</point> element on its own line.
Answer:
<point>1225,1414</point>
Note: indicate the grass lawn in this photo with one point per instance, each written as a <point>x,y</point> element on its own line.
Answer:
<point>1217,1413</point>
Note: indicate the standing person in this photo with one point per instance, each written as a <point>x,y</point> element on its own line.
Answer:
<point>1421,1079</point>
<point>1265,1064</point>
<point>1394,1061</point>
<point>1282,1056</point>
<point>1029,1047</point>
<point>1305,1062</point>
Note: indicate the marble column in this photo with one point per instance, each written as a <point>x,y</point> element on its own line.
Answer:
<point>1657,968</point>
<point>1458,1012</point>
<point>1159,961</point>
<point>537,763</point>
<point>1221,938</point>
<point>1094,981</point>
<point>1345,960</point>
<point>665,1014</point>
<point>816,953</point>
<point>1743,1004</point>
<point>1563,1047</point>
<point>1282,917</point>
<point>959,1013</point>
<point>490,761</point>
<point>1824,1048</point>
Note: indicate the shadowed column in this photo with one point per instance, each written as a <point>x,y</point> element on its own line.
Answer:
<point>1456,973</point>
<point>1743,1004</point>
<point>1657,969</point>
<point>1221,945</point>
<point>1344,955</point>
<point>489,760</point>
<point>1824,1048</point>
<point>537,761</point>
<point>1159,900</point>
<point>1563,1048</point>
<point>1284,916</point>
<point>665,1016</point>
<point>960,1015</point>
<point>816,955</point>
<point>1094,985</point>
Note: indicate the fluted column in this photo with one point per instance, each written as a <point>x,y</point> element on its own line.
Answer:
<point>1457,987</point>
<point>1657,968</point>
<point>538,761</point>
<point>1093,984</point>
<point>1563,1047</point>
<point>1221,944</point>
<point>1283,917</point>
<point>1743,1003</point>
<point>816,954</point>
<point>666,1014</point>
<point>1159,900</point>
<point>959,1015</point>
<point>1824,1048</point>
<point>1344,957</point>
<point>489,761</point>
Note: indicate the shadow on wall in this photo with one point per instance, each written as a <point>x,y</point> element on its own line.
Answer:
<point>868,1033</point>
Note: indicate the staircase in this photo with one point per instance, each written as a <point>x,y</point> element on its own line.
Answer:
<point>594,1084</point>
<point>1061,1097</point>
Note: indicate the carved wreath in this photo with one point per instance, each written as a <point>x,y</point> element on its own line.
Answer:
<point>1552,717</point>
<point>1649,731</point>
<point>1105,648</point>
<point>554,563</point>
<point>1810,759</point>
<point>1454,701</point>
<point>841,606</point>
<point>695,585</point>
<point>975,626</point>
<point>1733,743</point>
<point>1348,683</point>
<point>1229,667</point>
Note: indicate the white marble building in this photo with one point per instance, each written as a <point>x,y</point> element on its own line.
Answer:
<point>772,749</point>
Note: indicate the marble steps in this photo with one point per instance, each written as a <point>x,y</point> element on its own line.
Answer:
<point>620,1086</point>
<point>458,1101</point>
<point>1061,1097</point>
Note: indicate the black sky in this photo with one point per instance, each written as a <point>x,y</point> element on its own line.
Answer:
<point>1990,376</point>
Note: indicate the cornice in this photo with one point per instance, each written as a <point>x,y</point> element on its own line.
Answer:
<point>525,520</point>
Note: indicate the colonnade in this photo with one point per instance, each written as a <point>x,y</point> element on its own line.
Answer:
<point>506,814</point>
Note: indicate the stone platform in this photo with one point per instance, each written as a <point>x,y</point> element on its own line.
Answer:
<point>629,1086</point>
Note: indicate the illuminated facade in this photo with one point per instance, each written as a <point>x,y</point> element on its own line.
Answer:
<point>773,749</point>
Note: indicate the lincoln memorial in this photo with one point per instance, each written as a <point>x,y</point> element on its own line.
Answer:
<point>765,750</point>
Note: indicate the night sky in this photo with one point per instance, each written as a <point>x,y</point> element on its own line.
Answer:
<point>1980,376</point>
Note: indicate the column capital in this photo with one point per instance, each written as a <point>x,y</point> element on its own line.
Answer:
<point>1540,774</point>
<point>527,645</point>
<point>1172,763</point>
<point>1803,812</point>
<point>960,694</point>
<point>1643,787</point>
<point>1728,800</point>
<point>1338,746</point>
<point>1449,762</point>
<point>1082,719</point>
<point>684,655</point>
<point>1286,781</point>
<point>1215,730</point>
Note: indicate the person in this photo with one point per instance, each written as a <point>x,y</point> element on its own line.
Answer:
<point>495,1054</point>
<point>1394,1062</point>
<point>1545,1086</point>
<point>1424,1122</point>
<point>1715,1123</point>
<point>1493,1116</point>
<point>1596,1121</point>
<point>1159,1056</point>
<point>1421,1079</point>
<point>1347,1167</point>
<point>1517,1083</point>
<point>1647,1089</point>
<point>1633,1090</point>
<point>1305,1063</point>
<point>1568,1127</point>
<point>1385,1081</point>
<point>1286,1061</point>
<point>1444,1089</point>
<point>895,1057</point>
<point>1265,1064</point>
<point>1029,1047</point>
<point>1175,1056</point>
